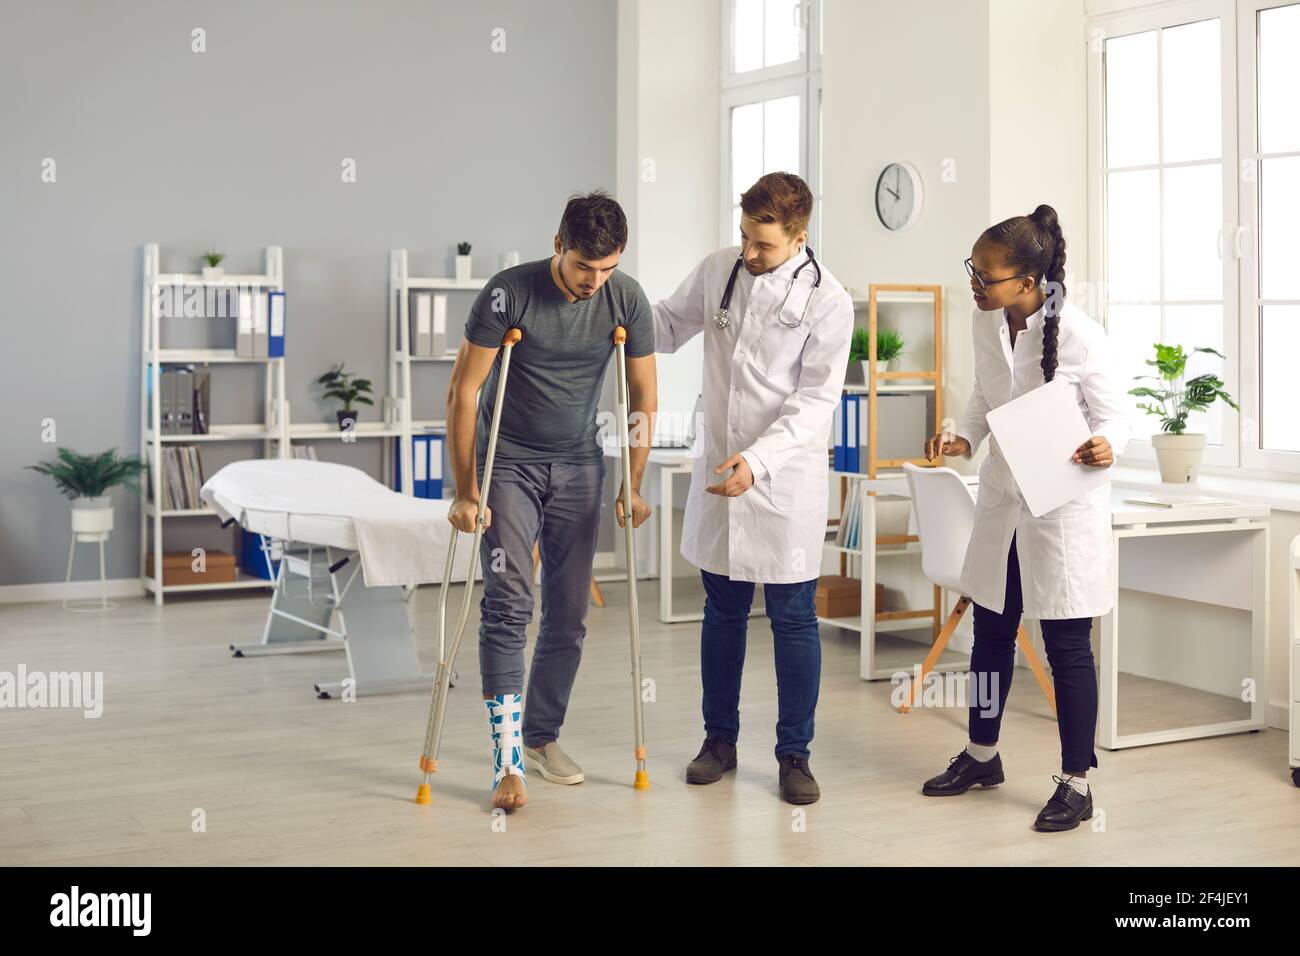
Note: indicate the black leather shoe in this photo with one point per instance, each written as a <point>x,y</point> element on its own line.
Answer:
<point>715,758</point>
<point>964,772</point>
<point>798,785</point>
<point>1066,810</point>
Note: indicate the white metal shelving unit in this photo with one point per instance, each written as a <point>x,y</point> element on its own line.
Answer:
<point>272,431</point>
<point>400,285</point>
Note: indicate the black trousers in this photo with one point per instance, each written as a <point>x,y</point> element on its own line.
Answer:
<point>1069,652</point>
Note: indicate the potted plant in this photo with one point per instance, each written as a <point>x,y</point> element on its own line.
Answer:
<point>1179,452</point>
<point>87,479</point>
<point>463,261</point>
<point>348,389</point>
<point>213,271</point>
<point>889,346</point>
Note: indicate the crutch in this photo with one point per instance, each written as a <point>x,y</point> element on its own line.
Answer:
<point>438,702</point>
<point>642,779</point>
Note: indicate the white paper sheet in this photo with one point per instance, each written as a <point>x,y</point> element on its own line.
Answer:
<point>1038,433</point>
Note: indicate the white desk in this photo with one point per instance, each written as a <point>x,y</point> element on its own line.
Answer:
<point>1216,554</point>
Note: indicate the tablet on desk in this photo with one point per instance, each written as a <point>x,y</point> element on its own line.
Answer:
<point>1179,501</point>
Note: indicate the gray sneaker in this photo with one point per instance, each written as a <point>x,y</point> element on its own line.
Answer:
<point>553,764</point>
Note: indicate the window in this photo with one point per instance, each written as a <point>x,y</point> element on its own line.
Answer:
<point>771,100</point>
<point>1269,236</point>
<point>1164,171</point>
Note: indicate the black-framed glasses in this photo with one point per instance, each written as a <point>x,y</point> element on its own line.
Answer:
<point>985,283</point>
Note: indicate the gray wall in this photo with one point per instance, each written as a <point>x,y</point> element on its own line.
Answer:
<point>241,147</point>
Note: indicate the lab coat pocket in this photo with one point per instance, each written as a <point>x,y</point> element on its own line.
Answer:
<point>780,347</point>
<point>799,486</point>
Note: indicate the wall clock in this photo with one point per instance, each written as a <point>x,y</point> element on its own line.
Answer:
<point>898,196</point>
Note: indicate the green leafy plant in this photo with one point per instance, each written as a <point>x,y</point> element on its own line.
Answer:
<point>345,387</point>
<point>213,259</point>
<point>90,476</point>
<point>1177,398</point>
<point>889,344</point>
<point>462,248</point>
<point>858,345</point>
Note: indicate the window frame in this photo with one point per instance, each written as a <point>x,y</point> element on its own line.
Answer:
<point>800,78</point>
<point>1124,23</point>
<point>1247,239</point>
<point>808,54</point>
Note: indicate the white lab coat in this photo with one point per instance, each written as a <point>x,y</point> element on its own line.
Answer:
<point>769,393</point>
<point>1066,556</point>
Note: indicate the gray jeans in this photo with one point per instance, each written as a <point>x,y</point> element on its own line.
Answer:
<point>561,503</point>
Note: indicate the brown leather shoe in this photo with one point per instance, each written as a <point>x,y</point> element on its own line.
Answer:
<point>715,758</point>
<point>797,782</point>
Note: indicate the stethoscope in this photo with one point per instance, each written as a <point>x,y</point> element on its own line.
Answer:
<point>722,318</point>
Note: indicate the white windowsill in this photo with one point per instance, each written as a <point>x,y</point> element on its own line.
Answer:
<point>1279,494</point>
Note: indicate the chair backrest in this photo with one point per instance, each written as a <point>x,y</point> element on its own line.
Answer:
<point>945,515</point>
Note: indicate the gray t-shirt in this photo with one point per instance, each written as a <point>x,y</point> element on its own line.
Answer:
<point>558,368</point>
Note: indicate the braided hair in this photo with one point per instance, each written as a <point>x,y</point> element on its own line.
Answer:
<point>1034,245</point>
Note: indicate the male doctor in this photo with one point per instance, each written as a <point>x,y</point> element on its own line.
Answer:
<point>776,329</point>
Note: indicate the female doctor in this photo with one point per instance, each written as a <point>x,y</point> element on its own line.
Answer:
<point>776,329</point>
<point>1056,568</point>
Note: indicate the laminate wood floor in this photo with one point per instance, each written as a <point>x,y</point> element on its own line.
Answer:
<point>284,778</point>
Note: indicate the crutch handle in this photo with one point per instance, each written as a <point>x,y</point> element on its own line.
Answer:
<point>620,335</point>
<point>512,337</point>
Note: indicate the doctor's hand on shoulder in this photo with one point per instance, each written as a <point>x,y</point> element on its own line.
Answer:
<point>735,484</point>
<point>464,515</point>
<point>1096,452</point>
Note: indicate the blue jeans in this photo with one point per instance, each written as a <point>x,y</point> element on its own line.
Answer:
<point>796,642</point>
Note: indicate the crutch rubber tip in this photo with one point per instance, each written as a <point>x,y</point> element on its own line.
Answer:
<point>642,781</point>
<point>422,796</point>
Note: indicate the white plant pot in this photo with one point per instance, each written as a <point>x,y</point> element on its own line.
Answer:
<point>463,268</point>
<point>213,273</point>
<point>92,515</point>
<point>1179,456</point>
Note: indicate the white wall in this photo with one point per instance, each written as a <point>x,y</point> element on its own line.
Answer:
<point>668,157</point>
<point>908,82</point>
<point>1038,152</point>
